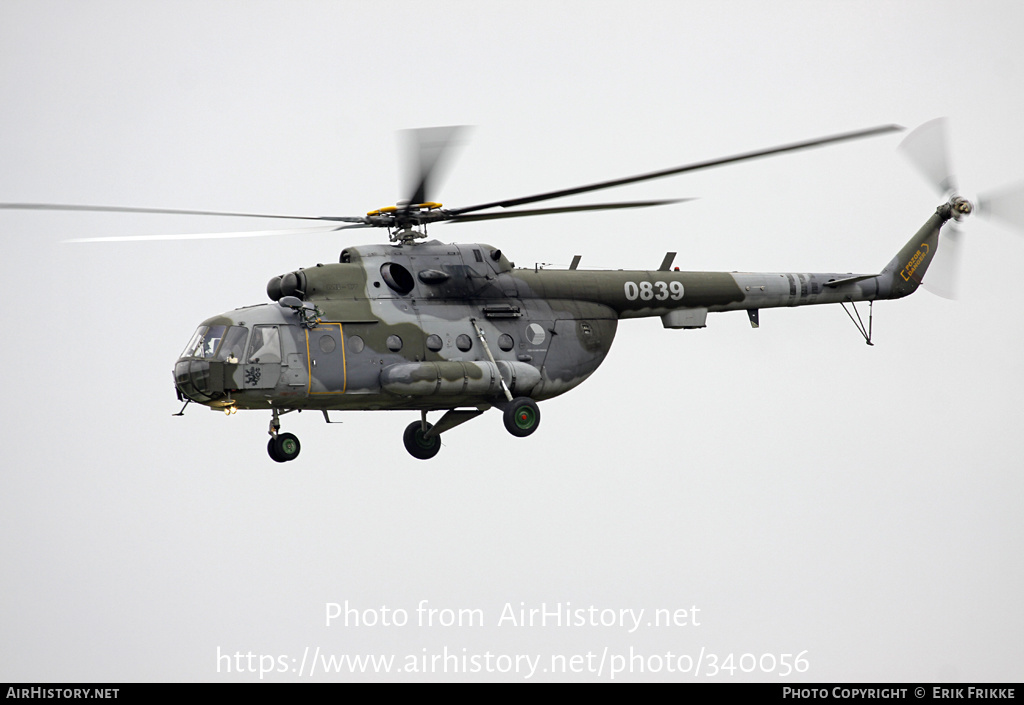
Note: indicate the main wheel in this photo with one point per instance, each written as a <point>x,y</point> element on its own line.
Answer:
<point>419,446</point>
<point>284,447</point>
<point>522,417</point>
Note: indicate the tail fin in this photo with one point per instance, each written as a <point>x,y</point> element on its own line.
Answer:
<point>906,270</point>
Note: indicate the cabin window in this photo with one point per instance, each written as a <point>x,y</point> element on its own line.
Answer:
<point>265,345</point>
<point>327,343</point>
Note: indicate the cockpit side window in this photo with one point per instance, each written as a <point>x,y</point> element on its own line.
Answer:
<point>265,345</point>
<point>234,344</point>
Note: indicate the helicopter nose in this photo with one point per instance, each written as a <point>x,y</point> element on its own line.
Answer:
<point>192,379</point>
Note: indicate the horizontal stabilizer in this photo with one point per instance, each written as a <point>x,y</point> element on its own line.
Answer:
<point>849,280</point>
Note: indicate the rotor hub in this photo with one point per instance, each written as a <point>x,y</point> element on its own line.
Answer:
<point>406,236</point>
<point>961,207</point>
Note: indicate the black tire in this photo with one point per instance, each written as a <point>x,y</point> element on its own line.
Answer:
<point>284,447</point>
<point>419,447</point>
<point>272,452</point>
<point>522,417</point>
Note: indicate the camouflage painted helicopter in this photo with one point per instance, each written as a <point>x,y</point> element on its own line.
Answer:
<point>425,326</point>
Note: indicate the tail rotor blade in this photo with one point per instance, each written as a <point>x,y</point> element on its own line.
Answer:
<point>943,277</point>
<point>1006,205</point>
<point>927,148</point>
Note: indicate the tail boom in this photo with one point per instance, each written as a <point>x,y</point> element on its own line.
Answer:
<point>683,299</point>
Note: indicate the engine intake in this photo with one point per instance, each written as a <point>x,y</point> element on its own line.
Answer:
<point>291,284</point>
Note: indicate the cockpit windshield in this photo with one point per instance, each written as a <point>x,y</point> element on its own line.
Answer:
<point>224,343</point>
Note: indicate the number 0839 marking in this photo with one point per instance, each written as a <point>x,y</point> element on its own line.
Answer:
<point>653,291</point>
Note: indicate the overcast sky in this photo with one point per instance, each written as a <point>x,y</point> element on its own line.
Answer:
<point>787,493</point>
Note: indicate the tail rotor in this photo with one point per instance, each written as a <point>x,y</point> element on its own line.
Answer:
<point>927,149</point>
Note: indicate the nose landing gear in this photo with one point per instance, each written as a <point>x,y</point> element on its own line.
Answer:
<point>282,447</point>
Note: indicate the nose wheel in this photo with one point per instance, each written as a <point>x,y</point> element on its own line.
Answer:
<point>283,447</point>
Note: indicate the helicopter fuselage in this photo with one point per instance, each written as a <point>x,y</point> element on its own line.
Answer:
<point>435,326</point>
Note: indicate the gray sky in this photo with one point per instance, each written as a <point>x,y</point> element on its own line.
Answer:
<point>810,496</point>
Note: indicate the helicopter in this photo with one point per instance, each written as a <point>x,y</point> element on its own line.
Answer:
<point>423,326</point>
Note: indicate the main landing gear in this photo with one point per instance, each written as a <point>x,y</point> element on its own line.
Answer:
<point>281,447</point>
<point>418,443</point>
<point>423,440</point>
<point>522,417</point>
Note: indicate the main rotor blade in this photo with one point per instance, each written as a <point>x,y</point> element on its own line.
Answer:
<point>211,236</point>
<point>927,148</point>
<point>681,169</point>
<point>428,149</point>
<point>565,209</point>
<point>168,211</point>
